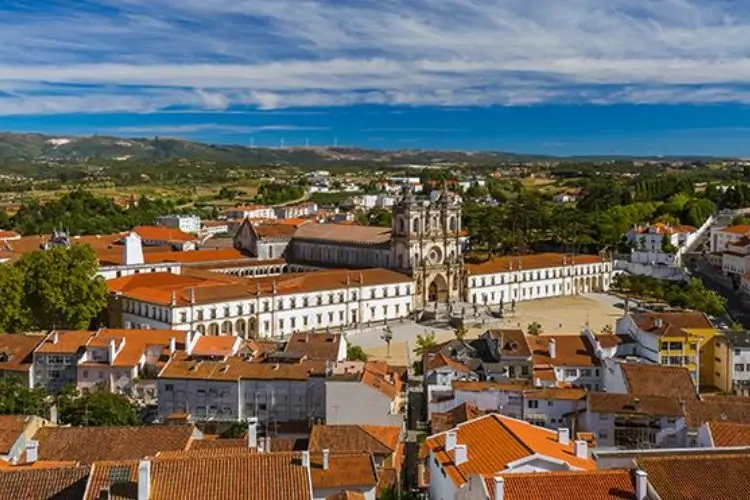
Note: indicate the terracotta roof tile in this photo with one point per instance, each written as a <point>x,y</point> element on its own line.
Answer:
<point>570,350</point>
<point>65,341</point>
<point>209,288</point>
<point>698,477</point>
<point>719,408</point>
<point>16,351</point>
<point>315,345</point>
<point>601,402</point>
<point>493,441</point>
<point>248,476</point>
<point>590,485</point>
<point>43,484</point>
<point>136,343</point>
<point>671,321</point>
<point>441,360</point>
<point>513,342</point>
<point>215,346</point>
<point>275,231</point>
<point>347,495</point>
<point>84,444</point>
<point>482,386</point>
<point>366,235</point>
<point>11,427</point>
<point>377,440</point>
<point>556,393</point>
<point>441,422</point>
<point>658,380</point>
<point>163,234</point>
<point>346,470</point>
<point>528,262</point>
<point>741,229</point>
<point>726,434</point>
<point>182,366</point>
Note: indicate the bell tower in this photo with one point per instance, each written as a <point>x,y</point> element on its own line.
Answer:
<point>426,244</point>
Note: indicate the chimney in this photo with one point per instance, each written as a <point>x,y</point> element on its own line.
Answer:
<point>552,348</point>
<point>144,480</point>
<point>55,337</point>
<point>32,451</point>
<point>582,449</point>
<point>326,459</point>
<point>306,459</point>
<point>112,351</point>
<point>261,445</point>
<point>537,382</point>
<point>267,446</point>
<point>658,323</point>
<point>172,345</point>
<point>563,436</point>
<point>641,485</point>
<point>252,432</point>
<point>450,440</point>
<point>499,488</point>
<point>461,454</point>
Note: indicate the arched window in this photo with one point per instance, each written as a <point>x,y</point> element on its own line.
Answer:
<point>452,223</point>
<point>415,225</point>
<point>401,227</point>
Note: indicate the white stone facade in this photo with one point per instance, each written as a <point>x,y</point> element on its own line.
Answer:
<point>185,223</point>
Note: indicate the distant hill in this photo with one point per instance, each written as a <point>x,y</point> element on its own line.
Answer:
<point>15,147</point>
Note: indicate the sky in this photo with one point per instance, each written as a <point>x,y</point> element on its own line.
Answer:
<point>561,77</point>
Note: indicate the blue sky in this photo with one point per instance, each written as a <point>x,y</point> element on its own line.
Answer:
<point>546,76</point>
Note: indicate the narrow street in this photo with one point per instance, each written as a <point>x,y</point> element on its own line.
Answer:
<point>714,280</point>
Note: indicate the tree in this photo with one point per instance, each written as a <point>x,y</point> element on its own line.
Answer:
<point>461,332</point>
<point>16,398</point>
<point>535,329</point>
<point>61,289</point>
<point>387,337</point>
<point>355,353</point>
<point>666,244</point>
<point>14,316</point>
<point>96,409</point>
<point>424,343</point>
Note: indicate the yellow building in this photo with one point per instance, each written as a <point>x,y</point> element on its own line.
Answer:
<point>676,339</point>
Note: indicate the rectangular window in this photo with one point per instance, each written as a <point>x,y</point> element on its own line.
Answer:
<point>570,372</point>
<point>168,387</point>
<point>586,372</point>
<point>739,367</point>
<point>183,317</point>
<point>533,403</point>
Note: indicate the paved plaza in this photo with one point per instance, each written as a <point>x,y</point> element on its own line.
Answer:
<point>560,315</point>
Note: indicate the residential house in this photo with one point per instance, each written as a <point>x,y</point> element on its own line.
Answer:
<point>735,260</point>
<point>264,241</point>
<point>648,243</point>
<point>17,356</point>
<point>675,339</point>
<point>441,422</point>
<point>502,354</point>
<point>497,445</point>
<point>721,237</point>
<point>616,484</point>
<point>57,357</point>
<point>440,371</point>
<point>364,393</point>
<point>303,209</point>
<point>552,407</point>
<point>505,398</point>
<point>156,236</point>
<point>250,212</point>
<point>733,362</point>
<point>712,409</point>
<point>638,379</point>
<point>45,483</point>
<point>625,421</point>
<point>184,223</point>
<point>567,359</point>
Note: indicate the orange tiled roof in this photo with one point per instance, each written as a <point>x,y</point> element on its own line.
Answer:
<point>115,257</point>
<point>346,470</point>
<point>493,441</point>
<point>208,288</point>
<point>658,380</point>
<point>671,322</point>
<point>65,341</point>
<point>611,403</point>
<point>271,476</point>
<point>136,342</point>
<point>725,409</point>
<point>570,350</point>
<point>18,349</point>
<point>64,483</point>
<point>698,477</point>
<point>374,439</point>
<point>347,495</point>
<point>315,345</point>
<point>612,484</point>
<point>725,434</point>
<point>514,342</point>
<point>274,231</point>
<point>527,262</point>
<point>84,444</point>
<point>159,233</point>
<point>440,360</point>
<point>215,346</point>
<point>556,393</point>
<point>182,366</point>
<point>4,235</point>
<point>441,422</point>
<point>477,386</point>
<point>11,427</point>
<point>741,229</point>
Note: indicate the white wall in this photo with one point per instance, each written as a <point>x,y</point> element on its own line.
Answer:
<point>354,403</point>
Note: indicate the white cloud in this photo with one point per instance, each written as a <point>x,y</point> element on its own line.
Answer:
<point>312,53</point>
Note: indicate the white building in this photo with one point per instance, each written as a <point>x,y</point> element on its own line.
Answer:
<point>185,223</point>
<point>647,243</point>
<point>568,359</point>
<point>298,210</point>
<point>721,236</point>
<point>250,212</point>
<point>505,398</point>
<point>513,279</point>
<point>552,407</point>
<point>274,306</point>
<point>735,260</point>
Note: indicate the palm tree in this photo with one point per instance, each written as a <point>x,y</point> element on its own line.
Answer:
<point>424,343</point>
<point>535,329</point>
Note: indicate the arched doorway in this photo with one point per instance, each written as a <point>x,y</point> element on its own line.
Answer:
<point>438,289</point>
<point>240,326</point>
<point>201,329</point>
<point>226,327</point>
<point>213,329</point>
<point>252,327</point>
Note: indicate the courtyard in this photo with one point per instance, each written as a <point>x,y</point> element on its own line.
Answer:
<point>559,316</point>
